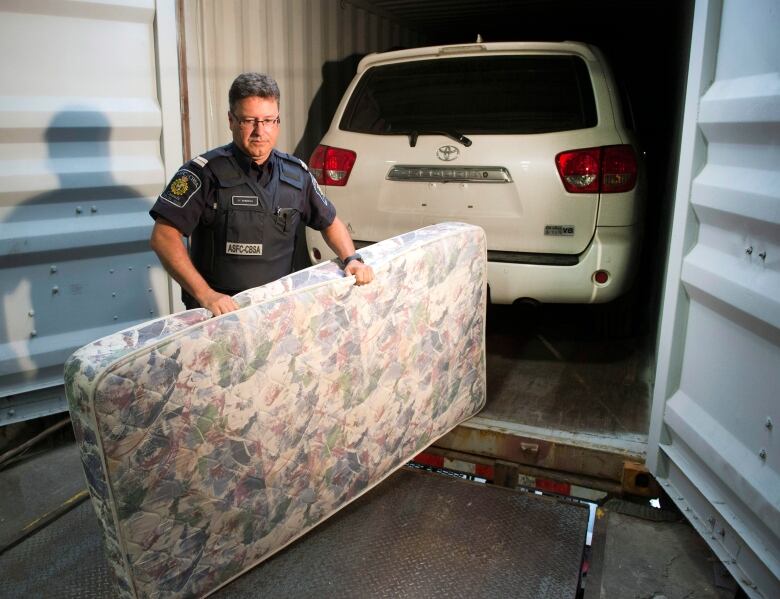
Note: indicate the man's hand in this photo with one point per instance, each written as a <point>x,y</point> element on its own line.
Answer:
<point>217,303</point>
<point>167,243</point>
<point>338,239</point>
<point>364,274</point>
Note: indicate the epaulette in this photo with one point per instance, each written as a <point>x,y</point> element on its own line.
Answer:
<point>294,159</point>
<point>203,159</point>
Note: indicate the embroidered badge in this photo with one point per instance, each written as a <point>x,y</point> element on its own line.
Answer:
<point>181,188</point>
<point>318,191</point>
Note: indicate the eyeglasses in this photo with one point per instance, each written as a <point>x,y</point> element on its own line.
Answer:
<point>247,123</point>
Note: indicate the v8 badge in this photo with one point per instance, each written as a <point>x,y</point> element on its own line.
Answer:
<point>559,230</point>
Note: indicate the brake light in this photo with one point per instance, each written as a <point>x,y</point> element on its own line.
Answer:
<point>579,170</point>
<point>608,169</point>
<point>618,167</point>
<point>331,166</point>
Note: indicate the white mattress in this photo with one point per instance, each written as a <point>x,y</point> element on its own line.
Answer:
<point>211,443</point>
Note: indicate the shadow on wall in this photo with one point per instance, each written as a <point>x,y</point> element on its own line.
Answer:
<point>336,77</point>
<point>60,245</point>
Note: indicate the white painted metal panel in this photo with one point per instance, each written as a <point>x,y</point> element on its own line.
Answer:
<point>81,160</point>
<point>716,409</point>
<point>309,46</point>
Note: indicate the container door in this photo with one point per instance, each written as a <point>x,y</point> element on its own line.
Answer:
<point>715,429</point>
<point>89,133</point>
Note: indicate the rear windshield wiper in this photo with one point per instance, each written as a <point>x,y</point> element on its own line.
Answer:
<point>453,135</point>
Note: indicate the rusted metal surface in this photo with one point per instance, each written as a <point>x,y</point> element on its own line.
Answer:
<point>592,462</point>
<point>485,469</point>
<point>181,42</point>
<point>637,480</point>
<point>505,474</point>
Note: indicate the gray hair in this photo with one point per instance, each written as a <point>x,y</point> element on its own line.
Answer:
<point>247,85</point>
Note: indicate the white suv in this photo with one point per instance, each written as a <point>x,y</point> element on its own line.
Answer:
<point>526,140</point>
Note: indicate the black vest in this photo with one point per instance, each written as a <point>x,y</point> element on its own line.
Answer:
<point>251,238</point>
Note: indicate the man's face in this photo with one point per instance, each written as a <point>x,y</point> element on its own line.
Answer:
<point>255,139</point>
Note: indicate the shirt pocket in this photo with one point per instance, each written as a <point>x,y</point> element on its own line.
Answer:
<point>286,221</point>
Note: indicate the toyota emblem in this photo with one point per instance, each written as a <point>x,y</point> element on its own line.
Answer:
<point>447,153</point>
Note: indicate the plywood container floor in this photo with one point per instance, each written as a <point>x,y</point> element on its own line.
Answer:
<point>549,369</point>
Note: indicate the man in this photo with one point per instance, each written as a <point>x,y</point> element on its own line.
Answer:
<point>240,205</point>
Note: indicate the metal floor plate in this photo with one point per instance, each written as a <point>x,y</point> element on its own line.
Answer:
<point>416,535</point>
<point>62,561</point>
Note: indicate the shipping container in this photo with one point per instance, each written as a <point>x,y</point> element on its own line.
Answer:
<point>102,101</point>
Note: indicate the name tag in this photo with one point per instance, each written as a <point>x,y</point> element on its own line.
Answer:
<point>245,201</point>
<point>244,249</point>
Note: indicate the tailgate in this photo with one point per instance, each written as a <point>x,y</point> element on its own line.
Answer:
<point>508,185</point>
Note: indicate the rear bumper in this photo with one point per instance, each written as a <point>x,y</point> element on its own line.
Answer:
<point>613,249</point>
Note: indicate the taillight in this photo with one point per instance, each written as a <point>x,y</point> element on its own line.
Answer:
<point>618,168</point>
<point>579,170</point>
<point>609,169</point>
<point>331,166</point>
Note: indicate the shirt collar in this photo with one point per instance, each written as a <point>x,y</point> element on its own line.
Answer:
<point>245,162</point>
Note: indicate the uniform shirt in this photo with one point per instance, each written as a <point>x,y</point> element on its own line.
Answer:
<point>187,210</point>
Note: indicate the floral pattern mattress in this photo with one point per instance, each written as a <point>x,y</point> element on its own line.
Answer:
<point>209,444</point>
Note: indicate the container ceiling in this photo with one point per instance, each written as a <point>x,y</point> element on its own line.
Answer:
<point>457,21</point>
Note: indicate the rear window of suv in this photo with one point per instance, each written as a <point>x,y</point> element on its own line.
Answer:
<point>490,94</point>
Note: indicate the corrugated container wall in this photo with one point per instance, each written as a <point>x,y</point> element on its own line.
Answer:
<point>82,140</point>
<point>714,442</point>
<point>311,47</point>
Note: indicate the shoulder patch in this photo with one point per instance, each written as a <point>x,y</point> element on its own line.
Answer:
<point>181,188</point>
<point>318,191</point>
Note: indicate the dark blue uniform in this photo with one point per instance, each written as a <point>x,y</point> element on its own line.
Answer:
<point>242,218</point>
